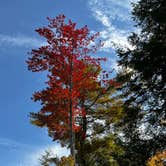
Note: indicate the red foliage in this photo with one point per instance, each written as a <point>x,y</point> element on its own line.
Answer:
<point>66,58</point>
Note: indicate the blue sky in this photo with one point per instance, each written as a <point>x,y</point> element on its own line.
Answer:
<point>21,143</point>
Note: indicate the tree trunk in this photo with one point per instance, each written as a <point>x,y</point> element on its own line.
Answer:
<point>72,135</point>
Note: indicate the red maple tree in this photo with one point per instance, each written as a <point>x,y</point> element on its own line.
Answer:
<point>72,74</point>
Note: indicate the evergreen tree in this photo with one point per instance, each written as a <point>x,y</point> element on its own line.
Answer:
<point>144,82</point>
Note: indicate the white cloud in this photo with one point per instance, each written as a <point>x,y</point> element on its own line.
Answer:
<point>112,36</point>
<point>114,9</point>
<point>11,144</point>
<point>114,64</point>
<point>102,18</point>
<point>111,64</point>
<point>32,159</point>
<point>29,154</point>
<point>108,12</point>
<point>20,41</point>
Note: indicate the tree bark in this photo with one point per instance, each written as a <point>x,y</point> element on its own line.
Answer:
<point>72,135</point>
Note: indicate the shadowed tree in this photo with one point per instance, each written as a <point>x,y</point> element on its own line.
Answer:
<point>144,81</point>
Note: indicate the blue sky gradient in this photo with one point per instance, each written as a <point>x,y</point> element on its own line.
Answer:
<point>21,144</point>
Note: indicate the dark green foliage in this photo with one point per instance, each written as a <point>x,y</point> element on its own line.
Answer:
<point>144,82</point>
<point>147,61</point>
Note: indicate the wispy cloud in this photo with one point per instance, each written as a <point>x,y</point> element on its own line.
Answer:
<point>32,159</point>
<point>10,144</point>
<point>19,41</point>
<point>112,14</point>
<point>28,154</point>
<point>114,9</point>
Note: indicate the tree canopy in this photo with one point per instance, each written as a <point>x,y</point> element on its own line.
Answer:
<point>144,80</point>
<point>74,84</point>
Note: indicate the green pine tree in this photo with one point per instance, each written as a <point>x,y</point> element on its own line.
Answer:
<point>144,82</point>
